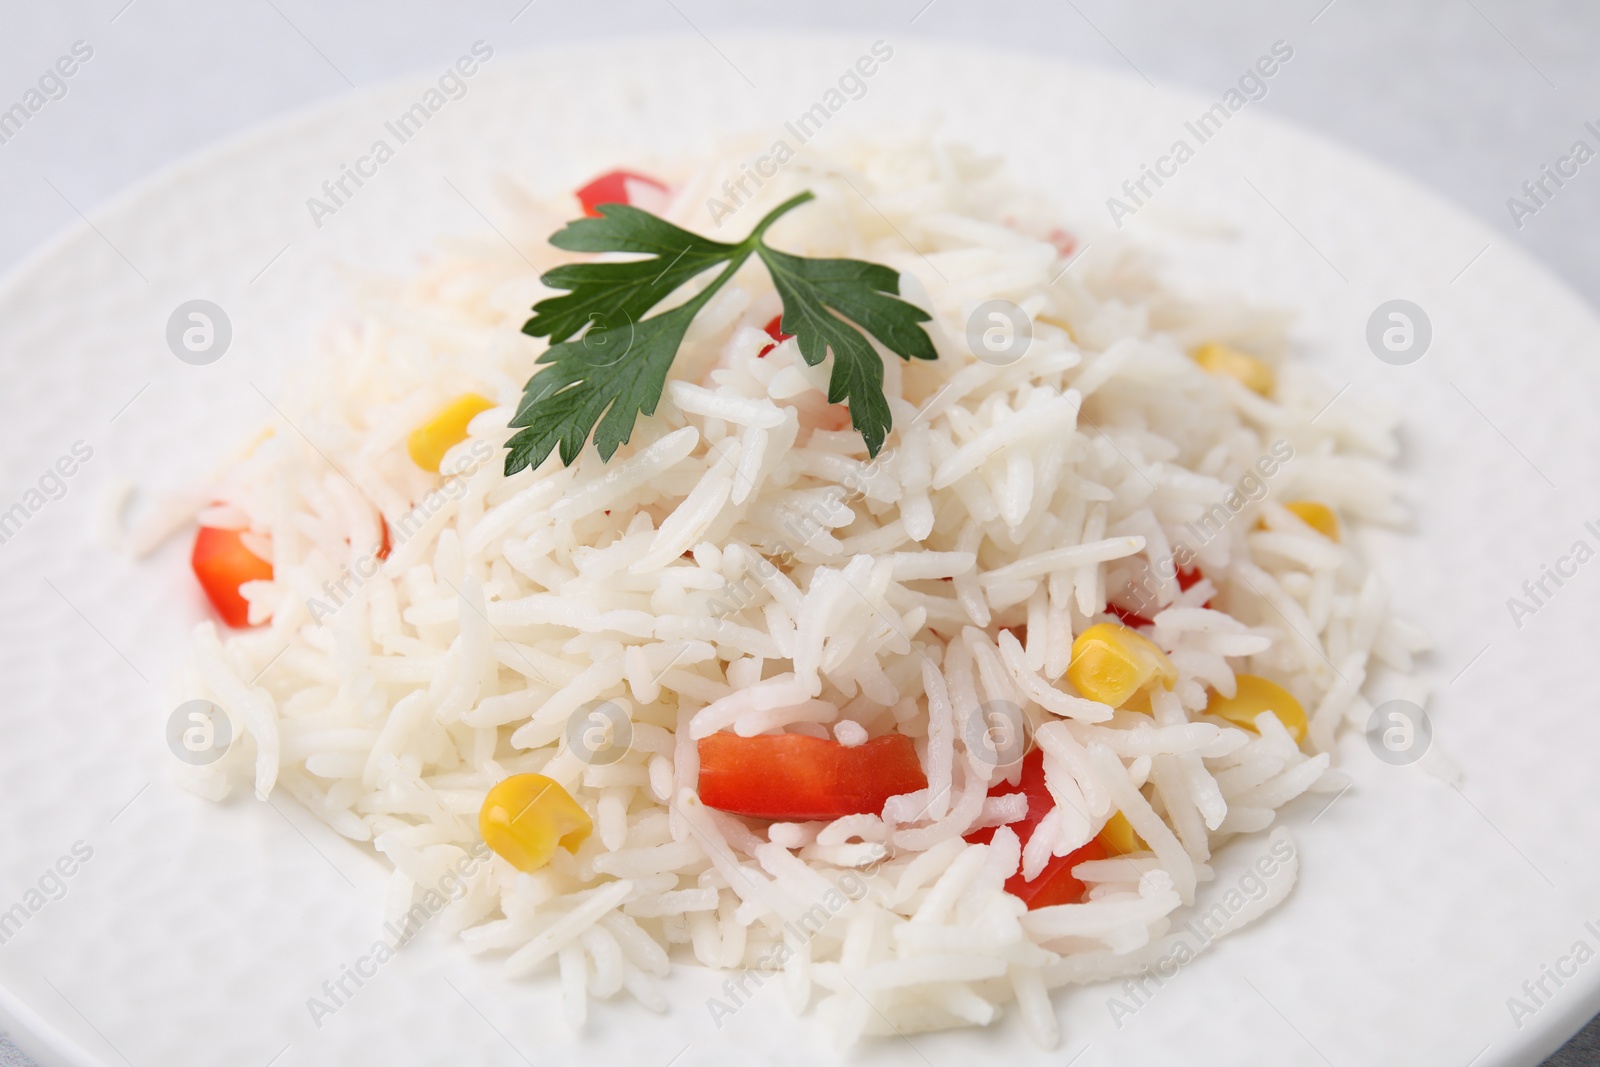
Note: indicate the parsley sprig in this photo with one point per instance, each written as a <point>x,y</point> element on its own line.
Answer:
<point>608,358</point>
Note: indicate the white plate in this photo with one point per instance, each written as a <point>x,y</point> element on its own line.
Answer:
<point>195,934</point>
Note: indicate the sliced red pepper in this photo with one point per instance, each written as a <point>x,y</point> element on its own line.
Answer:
<point>613,188</point>
<point>223,563</point>
<point>796,777</point>
<point>1055,884</point>
<point>775,331</point>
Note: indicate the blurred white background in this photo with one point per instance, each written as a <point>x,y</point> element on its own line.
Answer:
<point>1468,97</point>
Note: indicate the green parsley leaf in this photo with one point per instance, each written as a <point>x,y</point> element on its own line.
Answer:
<point>611,293</point>
<point>813,288</point>
<point>600,380</point>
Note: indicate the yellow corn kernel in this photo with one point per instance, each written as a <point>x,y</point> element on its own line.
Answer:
<point>1256,695</point>
<point>445,429</point>
<point>1119,836</point>
<point>1320,517</point>
<point>1252,373</point>
<point>526,816</point>
<point>1111,663</point>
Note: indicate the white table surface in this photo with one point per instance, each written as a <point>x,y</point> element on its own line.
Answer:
<point>1468,97</point>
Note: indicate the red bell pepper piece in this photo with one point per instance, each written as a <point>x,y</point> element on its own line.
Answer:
<point>1128,618</point>
<point>1055,884</point>
<point>796,777</point>
<point>222,563</point>
<point>614,187</point>
<point>775,331</point>
<point>1065,243</point>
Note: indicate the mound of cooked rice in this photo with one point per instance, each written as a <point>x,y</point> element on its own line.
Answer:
<point>742,565</point>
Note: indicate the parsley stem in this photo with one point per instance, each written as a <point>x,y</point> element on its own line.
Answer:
<point>772,216</point>
<point>746,248</point>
